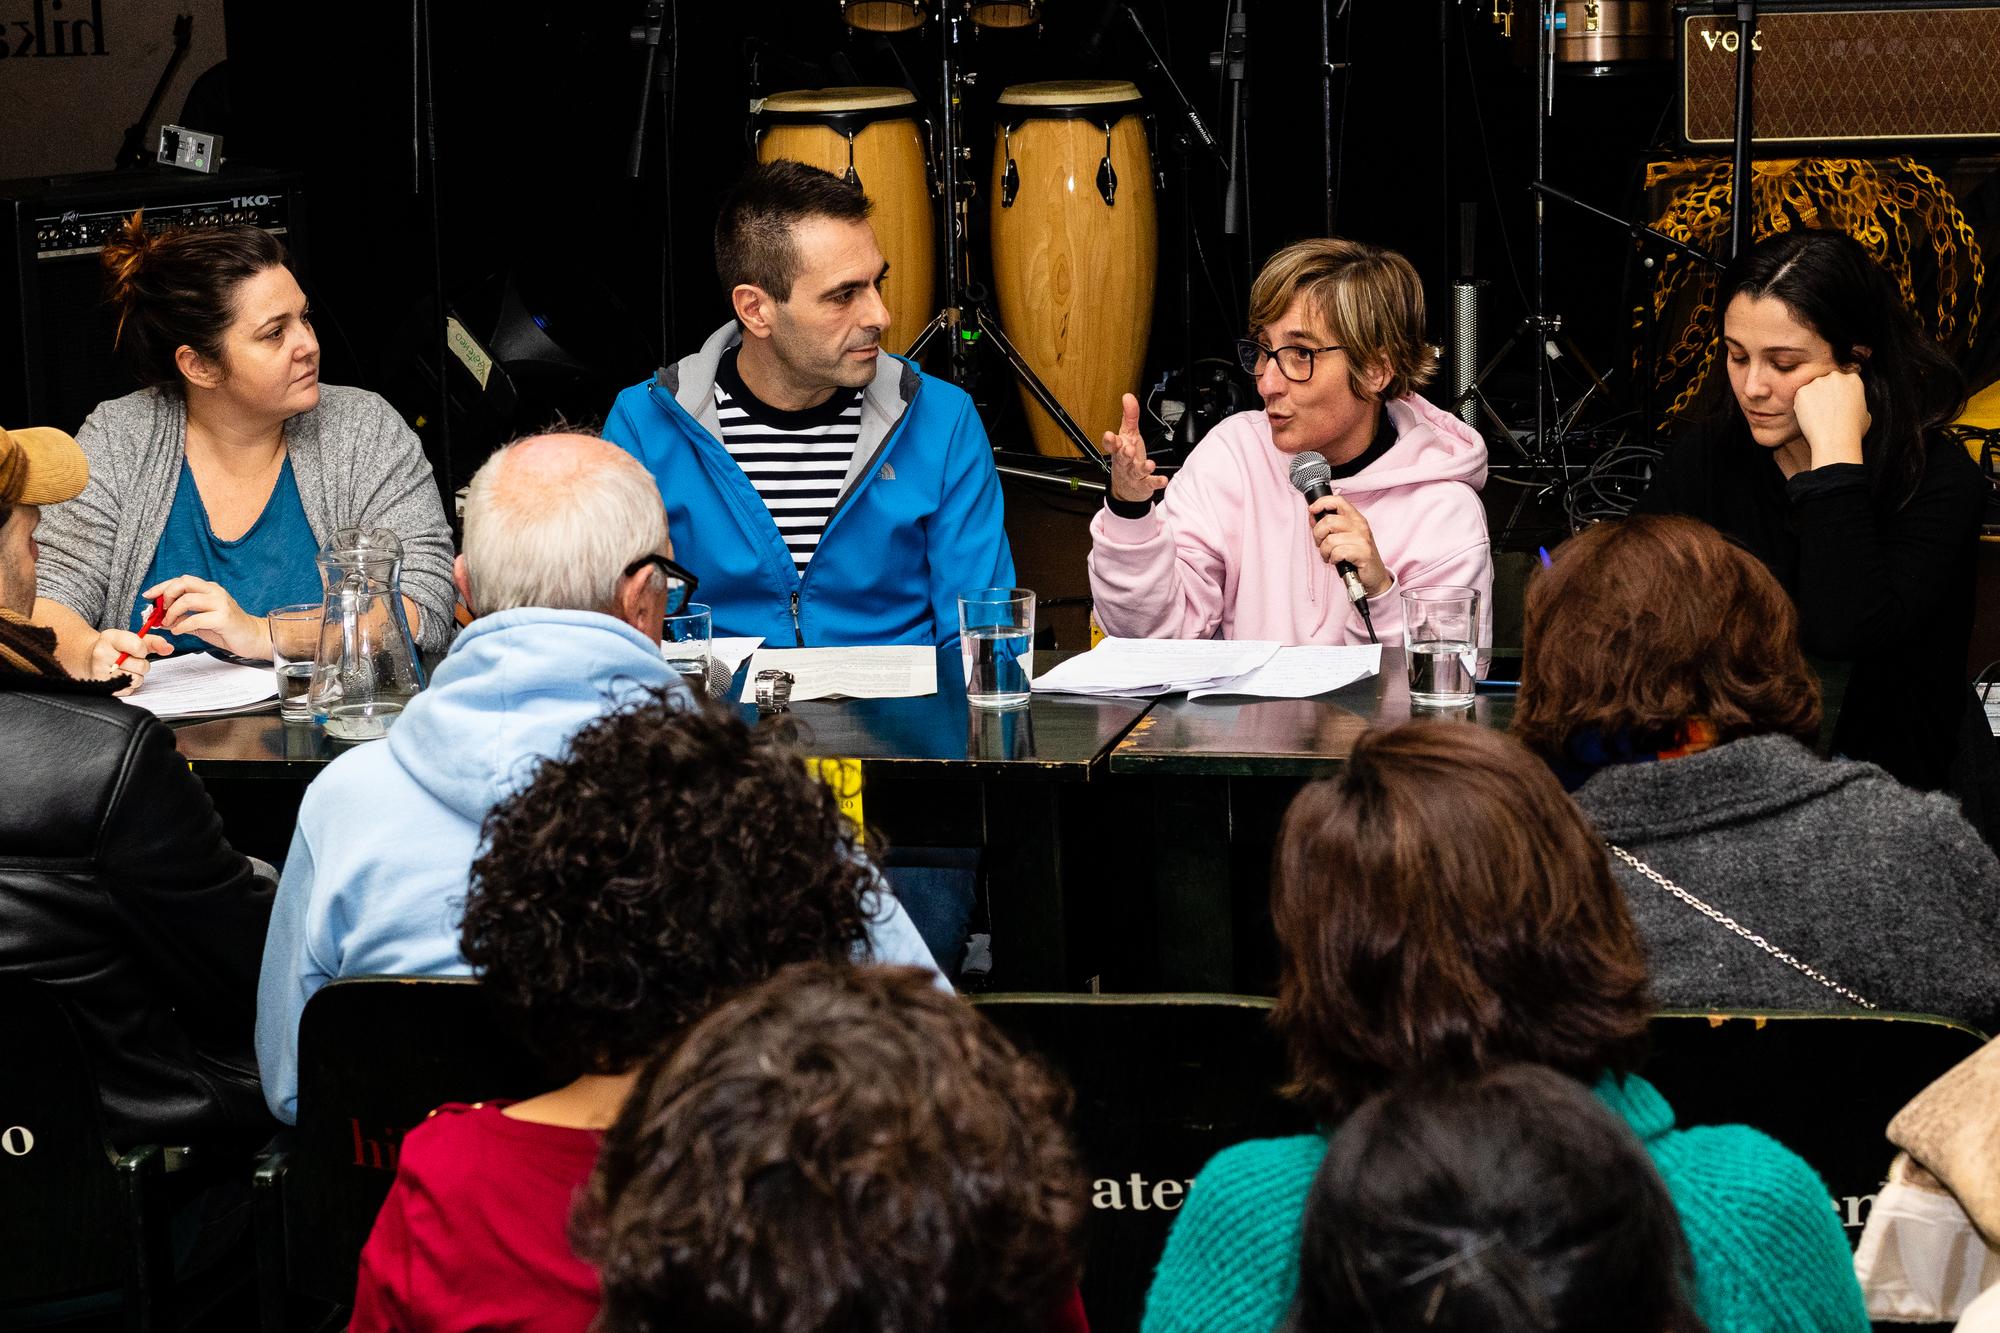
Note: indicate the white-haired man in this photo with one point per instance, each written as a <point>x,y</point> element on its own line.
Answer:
<point>568,568</point>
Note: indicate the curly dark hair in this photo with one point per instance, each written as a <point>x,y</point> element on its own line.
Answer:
<point>842,1148</point>
<point>1641,626</point>
<point>669,858</point>
<point>1515,1203</point>
<point>1442,907</point>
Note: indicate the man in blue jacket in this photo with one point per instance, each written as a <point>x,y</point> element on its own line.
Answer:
<point>829,494</point>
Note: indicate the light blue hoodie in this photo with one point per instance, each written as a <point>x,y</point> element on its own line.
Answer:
<point>375,880</point>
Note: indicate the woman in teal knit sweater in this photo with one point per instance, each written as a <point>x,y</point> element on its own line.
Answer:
<point>1442,908</point>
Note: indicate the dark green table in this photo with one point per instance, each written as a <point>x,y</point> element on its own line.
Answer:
<point>1025,785</point>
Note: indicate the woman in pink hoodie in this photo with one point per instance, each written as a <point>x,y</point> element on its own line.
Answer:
<point>1232,549</point>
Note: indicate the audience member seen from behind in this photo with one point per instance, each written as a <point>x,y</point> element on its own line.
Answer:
<point>1441,908</point>
<point>215,486</point>
<point>632,886</point>
<point>1338,352</point>
<point>1664,684</point>
<point>117,888</point>
<point>1514,1203</point>
<point>568,571</point>
<point>839,1149</point>
<point>1832,468</point>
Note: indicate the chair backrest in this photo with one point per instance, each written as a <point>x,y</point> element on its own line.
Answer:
<point>377,1055</point>
<point>1824,1085</point>
<point>65,1227</point>
<point>1162,1083</point>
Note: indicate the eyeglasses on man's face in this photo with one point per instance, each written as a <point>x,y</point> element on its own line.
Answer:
<point>1294,363</point>
<point>680,583</point>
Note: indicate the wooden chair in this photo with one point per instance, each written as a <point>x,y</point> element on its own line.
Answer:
<point>376,1056</point>
<point>81,1217</point>
<point>1162,1083</point>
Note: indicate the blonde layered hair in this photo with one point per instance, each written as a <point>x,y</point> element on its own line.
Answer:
<point>1369,299</point>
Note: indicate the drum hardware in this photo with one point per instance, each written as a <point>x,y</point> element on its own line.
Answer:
<point>966,319</point>
<point>1010,176</point>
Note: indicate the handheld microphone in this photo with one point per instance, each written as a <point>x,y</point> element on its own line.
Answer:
<point>1312,477</point>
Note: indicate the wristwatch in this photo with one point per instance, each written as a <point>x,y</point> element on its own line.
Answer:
<point>772,690</point>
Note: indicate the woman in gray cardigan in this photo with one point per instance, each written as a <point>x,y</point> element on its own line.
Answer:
<point>1664,684</point>
<point>212,490</point>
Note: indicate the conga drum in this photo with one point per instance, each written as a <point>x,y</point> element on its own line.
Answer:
<point>883,15</point>
<point>870,136</point>
<point>1075,246</point>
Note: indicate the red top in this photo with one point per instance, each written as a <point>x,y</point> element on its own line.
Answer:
<point>474,1235</point>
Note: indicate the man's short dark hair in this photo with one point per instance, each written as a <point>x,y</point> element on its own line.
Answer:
<point>842,1148</point>
<point>753,232</point>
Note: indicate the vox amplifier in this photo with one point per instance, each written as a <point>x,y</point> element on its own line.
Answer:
<point>1845,72</point>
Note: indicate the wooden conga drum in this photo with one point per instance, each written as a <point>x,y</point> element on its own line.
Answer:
<point>1075,246</point>
<point>872,137</point>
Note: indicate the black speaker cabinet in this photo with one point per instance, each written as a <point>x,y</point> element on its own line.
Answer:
<point>56,330</point>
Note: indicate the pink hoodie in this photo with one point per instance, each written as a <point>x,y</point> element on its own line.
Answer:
<point>1229,548</point>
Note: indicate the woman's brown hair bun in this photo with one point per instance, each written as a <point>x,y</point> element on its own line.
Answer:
<point>177,288</point>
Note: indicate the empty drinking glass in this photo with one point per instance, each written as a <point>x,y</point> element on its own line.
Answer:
<point>684,642</point>
<point>997,642</point>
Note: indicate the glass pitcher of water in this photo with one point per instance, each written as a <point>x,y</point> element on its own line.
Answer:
<point>366,666</point>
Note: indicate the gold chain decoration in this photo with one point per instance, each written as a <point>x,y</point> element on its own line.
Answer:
<point>1877,203</point>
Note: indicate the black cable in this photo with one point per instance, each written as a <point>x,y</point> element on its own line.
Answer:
<point>442,465</point>
<point>1486,156</point>
<point>1367,620</point>
<point>1346,17</point>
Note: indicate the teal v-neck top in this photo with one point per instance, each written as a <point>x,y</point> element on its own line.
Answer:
<point>271,565</point>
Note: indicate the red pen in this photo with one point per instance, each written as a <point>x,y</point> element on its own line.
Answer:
<point>153,619</point>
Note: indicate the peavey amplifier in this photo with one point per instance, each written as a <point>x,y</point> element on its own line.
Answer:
<point>1845,72</point>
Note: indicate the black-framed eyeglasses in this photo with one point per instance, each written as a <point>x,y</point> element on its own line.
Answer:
<point>1294,363</point>
<point>680,582</point>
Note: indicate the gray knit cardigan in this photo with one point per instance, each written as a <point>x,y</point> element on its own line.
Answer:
<point>356,463</point>
<point>1886,890</point>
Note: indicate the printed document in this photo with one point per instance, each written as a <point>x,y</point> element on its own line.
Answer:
<point>189,683</point>
<point>895,671</point>
<point>1303,671</point>
<point>1141,668</point>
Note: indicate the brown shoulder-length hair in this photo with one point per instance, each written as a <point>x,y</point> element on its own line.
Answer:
<point>1441,908</point>
<point>1636,627</point>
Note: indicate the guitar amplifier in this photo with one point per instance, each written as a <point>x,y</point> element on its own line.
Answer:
<point>1845,72</point>
<point>56,330</point>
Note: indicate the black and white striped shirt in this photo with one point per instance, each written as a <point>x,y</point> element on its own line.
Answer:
<point>797,460</point>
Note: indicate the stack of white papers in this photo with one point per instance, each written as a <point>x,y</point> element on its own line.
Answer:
<point>1301,672</point>
<point>190,684</point>
<point>1142,668</point>
<point>898,671</point>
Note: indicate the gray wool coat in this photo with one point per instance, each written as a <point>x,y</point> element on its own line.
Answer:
<point>1886,890</point>
<point>356,463</point>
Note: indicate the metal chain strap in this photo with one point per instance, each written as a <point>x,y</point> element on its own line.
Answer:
<point>1723,919</point>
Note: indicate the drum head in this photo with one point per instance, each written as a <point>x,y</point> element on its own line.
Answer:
<point>1006,13</point>
<point>882,15</point>
<point>814,102</point>
<point>1070,92</point>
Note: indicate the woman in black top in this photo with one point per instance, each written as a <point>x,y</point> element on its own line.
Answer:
<point>1834,472</point>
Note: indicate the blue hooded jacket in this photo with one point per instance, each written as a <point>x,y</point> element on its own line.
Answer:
<point>375,880</point>
<point>919,521</point>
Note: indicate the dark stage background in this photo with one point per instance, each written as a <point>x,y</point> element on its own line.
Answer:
<point>534,105</point>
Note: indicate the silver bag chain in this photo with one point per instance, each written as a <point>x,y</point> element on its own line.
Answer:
<point>1728,922</point>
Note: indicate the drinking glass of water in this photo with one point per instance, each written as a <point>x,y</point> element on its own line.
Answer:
<point>684,641</point>
<point>1441,645</point>
<point>294,637</point>
<point>997,641</point>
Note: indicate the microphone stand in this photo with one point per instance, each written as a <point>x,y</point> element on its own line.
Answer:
<point>646,34</point>
<point>1234,48</point>
<point>1195,132</point>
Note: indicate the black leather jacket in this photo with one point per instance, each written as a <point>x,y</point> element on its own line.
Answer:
<point>118,889</point>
